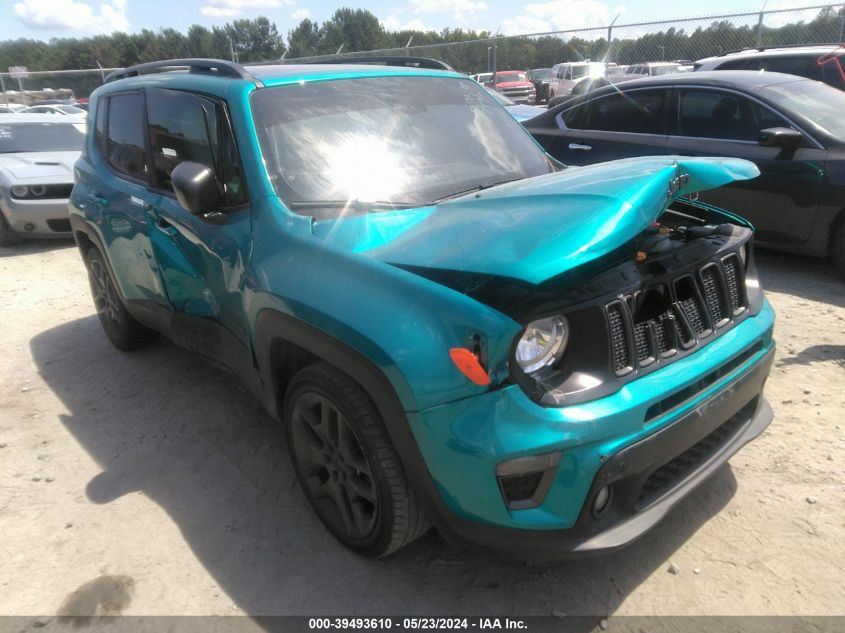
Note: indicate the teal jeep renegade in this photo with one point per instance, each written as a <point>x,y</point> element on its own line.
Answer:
<point>454,329</point>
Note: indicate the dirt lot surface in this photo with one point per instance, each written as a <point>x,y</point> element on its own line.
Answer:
<point>151,483</point>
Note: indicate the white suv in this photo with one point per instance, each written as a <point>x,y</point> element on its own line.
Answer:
<point>822,62</point>
<point>565,77</point>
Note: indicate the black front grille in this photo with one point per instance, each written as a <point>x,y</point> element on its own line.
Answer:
<point>673,472</point>
<point>657,322</point>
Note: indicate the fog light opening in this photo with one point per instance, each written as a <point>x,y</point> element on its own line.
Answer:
<point>29,226</point>
<point>601,502</point>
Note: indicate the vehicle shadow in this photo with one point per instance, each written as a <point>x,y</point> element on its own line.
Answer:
<point>806,277</point>
<point>164,422</point>
<point>35,246</point>
<point>816,354</point>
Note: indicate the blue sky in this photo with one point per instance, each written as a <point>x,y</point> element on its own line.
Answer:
<point>44,19</point>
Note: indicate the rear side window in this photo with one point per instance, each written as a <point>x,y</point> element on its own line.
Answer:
<point>125,138</point>
<point>803,66</point>
<point>721,115</point>
<point>634,112</point>
<point>740,64</point>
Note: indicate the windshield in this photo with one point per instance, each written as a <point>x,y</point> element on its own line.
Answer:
<point>69,109</point>
<point>541,73</point>
<point>817,102</point>
<point>41,137</point>
<point>503,76</point>
<point>400,141</point>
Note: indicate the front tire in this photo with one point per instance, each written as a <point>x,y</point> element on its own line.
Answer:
<point>121,328</point>
<point>346,463</point>
<point>7,236</point>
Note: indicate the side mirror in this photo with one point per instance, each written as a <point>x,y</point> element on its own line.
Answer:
<point>196,187</point>
<point>784,137</point>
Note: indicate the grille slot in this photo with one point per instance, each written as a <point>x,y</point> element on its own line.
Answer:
<point>714,296</point>
<point>641,342</point>
<point>735,281</point>
<point>618,338</point>
<point>692,306</point>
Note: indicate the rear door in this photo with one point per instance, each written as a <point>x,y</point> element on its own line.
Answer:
<point>782,202</point>
<point>620,125</point>
<point>118,200</point>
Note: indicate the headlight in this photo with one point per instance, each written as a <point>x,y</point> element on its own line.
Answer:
<point>542,344</point>
<point>20,191</point>
<point>38,190</point>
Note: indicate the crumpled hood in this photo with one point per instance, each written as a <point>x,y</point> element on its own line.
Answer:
<point>36,165</point>
<point>536,228</point>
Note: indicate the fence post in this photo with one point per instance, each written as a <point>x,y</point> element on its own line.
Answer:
<point>3,85</point>
<point>760,27</point>
<point>494,60</point>
<point>610,38</point>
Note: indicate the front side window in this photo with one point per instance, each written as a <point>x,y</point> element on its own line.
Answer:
<point>402,141</point>
<point>187,127</point>
<point>638,112</point>
<point>818,103</point>
<point>125,135</point>
<point>723,115</point>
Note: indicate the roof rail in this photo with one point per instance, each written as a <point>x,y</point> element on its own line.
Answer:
<point>218,67</point>
<point>389,60</point>
<point>749,49</point>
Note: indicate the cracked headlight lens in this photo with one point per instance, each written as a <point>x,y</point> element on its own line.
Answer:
<point>542,344</point>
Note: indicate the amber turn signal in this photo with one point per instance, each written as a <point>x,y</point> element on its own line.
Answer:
<point>468,364</point>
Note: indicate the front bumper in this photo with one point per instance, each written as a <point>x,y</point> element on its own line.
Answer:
<point>37,218</point>
<point>608,442</point>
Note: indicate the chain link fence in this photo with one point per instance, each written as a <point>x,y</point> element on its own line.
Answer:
<point>685,39</point>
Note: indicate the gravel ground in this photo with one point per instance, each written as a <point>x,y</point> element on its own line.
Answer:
<point>151,483</point>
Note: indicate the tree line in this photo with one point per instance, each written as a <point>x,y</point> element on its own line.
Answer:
<point>351,30</point>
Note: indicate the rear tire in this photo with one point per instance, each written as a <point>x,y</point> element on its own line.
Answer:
<point>121,328</point>
<point>7,236</point>
<point>837,253</point>
<point>346,463</point>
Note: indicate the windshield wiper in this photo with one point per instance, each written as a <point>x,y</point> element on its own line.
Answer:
<point>481,187</point>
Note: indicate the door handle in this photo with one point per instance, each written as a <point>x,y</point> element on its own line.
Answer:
<point>97,199</point>
<point>580,146</point>
<point>166,227</point>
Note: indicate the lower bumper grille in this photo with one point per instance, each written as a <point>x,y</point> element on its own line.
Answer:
<point>59,226</point>
<point>676,470</point>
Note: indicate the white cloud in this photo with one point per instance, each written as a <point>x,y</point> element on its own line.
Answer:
<point>300,14</point>
<point>790,15</point>
<point>61,15</point>
<point>230,8</point>
<point>561,15</point>
<point>460,10</point>
<point>392,23</point>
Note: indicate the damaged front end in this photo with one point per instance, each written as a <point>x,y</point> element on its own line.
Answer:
<point>687,279</point>
<point>612,270</point>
